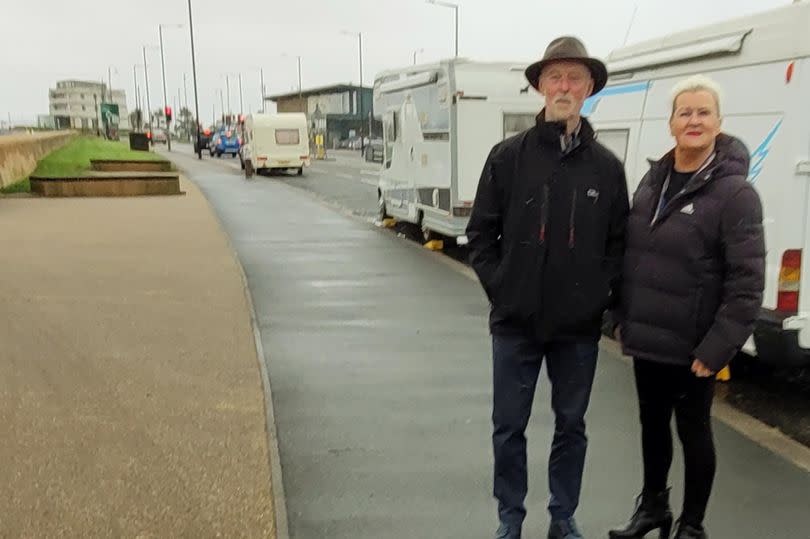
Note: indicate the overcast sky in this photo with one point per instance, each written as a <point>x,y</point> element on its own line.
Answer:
<point>42,41</point>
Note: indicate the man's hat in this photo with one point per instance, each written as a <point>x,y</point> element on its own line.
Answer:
<point>571,49</point>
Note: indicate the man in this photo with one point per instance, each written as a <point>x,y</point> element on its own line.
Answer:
<point>546,238</point>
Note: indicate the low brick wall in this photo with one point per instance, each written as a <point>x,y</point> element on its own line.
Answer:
<point>19,154</point>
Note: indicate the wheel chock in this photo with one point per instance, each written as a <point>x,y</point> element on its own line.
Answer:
<point>389,223</point>
<point>434,245</point>
<point>724,375</point>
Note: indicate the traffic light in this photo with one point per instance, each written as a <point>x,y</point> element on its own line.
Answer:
<point>168,112</point>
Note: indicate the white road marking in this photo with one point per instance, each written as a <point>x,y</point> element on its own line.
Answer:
<point>345,176</point>
<point>369,182</point>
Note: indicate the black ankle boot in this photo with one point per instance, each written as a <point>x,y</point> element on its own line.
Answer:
<point>652,513</point>
<point>689,531</point>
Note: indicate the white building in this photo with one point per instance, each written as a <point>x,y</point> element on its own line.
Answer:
<point>74,104</point>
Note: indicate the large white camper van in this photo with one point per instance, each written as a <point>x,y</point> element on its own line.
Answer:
<point>440,122</point>
<point>763,63</point>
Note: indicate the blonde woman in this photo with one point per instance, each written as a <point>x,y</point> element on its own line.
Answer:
<point>692,287</point>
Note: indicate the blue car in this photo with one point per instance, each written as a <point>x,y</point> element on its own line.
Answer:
<point>225,142</point>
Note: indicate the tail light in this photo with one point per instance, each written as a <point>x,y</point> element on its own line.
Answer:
<point>789,281</point>
<point>303,157</point>
<point>464,209</point>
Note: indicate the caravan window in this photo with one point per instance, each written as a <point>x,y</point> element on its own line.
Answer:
<point>517,123</point>
<point>614,140</point>
<point>287,137</point>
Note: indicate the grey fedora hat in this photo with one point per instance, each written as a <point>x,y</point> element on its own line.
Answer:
<point>572,49</point>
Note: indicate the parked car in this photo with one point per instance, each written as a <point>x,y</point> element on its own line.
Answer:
<point>205,140</point>
<point>225,142</point>
<point>159,136</point>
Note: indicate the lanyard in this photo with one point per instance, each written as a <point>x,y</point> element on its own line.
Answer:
<point>663,203</point>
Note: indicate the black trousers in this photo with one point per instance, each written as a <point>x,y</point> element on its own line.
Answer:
<point>663,389</point>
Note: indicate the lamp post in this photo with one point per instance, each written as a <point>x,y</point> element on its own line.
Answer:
<point>417,51</point>
<point>194,71</point>
<point>455,9</point>
<point>136,95</point>
<point>360,100</point>
<point>163,70</point>
<point>148,102</point>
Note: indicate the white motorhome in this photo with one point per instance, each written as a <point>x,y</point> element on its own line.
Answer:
<point>763,63</point>
<point>439,123</point>
<point>275,142</point>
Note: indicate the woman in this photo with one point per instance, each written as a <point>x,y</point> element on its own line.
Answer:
<point>693,280</point>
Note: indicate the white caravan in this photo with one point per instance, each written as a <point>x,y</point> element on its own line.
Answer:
<point>275,142</point>
<point>439,123</point>
<point>763,63</point>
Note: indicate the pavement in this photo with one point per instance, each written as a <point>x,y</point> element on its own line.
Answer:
<point>379,362</point>
<point>132,395</point>
<point>131,398</point>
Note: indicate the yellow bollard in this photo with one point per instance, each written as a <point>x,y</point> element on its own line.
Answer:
<point>389,223</point>
<point>724,375</point>
<point>434,245</point>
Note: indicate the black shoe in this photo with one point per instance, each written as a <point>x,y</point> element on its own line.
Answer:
<point>652,513</point>
<point>507,531</point>
<point>689,531</point>
<point>564,529</point>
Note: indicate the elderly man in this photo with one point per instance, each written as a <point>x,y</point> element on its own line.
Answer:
<point>546,239</point>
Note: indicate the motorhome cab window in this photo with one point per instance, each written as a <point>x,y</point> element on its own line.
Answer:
<point>287,137</point>
<point>614,140</point>
<point>517,123</point>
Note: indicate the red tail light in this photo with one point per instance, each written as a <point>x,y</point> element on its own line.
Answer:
<point>304,157</point>
<point>789,281</point>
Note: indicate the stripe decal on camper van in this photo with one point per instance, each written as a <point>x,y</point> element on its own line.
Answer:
<point>759,155</point>
<point>590,104</point>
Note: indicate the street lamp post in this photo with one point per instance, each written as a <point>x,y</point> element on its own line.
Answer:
<point>163,70</point>
<point>148,102</point>
<point>261,74</point>
<point>137,97</point>
<point>360,101</point>
<point>241,97</point>
<point>194,71</point>
<point>455,9</point>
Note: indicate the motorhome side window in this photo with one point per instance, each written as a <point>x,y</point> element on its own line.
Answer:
<point>614,140</point>
<point>287,137</point>
<point>517,123</point>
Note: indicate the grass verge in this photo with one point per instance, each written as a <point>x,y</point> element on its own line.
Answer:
<point>74,158</point>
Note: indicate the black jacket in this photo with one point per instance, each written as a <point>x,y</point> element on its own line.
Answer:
<point>546,233</point>
<point>693,279</point>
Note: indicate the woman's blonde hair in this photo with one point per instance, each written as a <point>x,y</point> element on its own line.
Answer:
<point>696,83</point>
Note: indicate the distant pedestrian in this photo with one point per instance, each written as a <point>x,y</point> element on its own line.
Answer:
<point>546,238</point>
<point>693,279</point>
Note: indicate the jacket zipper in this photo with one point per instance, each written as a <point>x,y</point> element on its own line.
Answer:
<point>544,214</point>
<point>571,221</point>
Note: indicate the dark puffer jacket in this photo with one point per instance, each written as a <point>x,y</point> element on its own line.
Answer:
<point>693,279</point>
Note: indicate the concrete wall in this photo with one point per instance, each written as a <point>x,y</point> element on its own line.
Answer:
<point>19,154</point>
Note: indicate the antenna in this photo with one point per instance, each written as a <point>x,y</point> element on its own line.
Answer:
<point>630,26</point>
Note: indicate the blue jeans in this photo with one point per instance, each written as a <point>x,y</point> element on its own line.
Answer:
<point>516,366</point>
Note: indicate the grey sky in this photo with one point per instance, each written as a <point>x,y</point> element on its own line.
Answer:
<point>42,41</point>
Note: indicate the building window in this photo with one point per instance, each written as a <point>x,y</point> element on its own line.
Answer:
<point>84,108</point>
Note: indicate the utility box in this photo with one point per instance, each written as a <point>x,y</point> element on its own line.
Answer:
<point>138,142</point>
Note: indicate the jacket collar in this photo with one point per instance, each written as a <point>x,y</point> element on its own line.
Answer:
<point>549,133</point>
